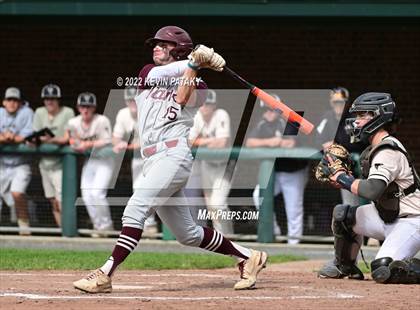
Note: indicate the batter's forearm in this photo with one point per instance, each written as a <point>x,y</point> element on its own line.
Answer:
<point>186,86</point>
<point>174,69</point>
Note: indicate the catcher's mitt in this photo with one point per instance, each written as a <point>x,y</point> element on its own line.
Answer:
<point>335,158</point>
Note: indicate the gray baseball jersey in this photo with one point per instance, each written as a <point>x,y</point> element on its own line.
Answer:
<point>19,123</point>
<point>160,116</point>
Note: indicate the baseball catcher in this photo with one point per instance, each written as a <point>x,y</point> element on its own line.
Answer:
<point>390,181</point>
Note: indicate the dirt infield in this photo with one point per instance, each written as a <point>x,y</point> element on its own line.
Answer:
<point>286,286</point>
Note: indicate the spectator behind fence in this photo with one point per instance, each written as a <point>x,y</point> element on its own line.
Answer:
<point>290,174</point>
<point>90,131</point>
<point>126,137</point>
<point>330,127</point>
<point>15,126</point>
<point>55,117</point>
<point>211,129</point>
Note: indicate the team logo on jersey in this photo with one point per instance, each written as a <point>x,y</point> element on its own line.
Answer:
<point>378,165</point>
<point>157,93</point>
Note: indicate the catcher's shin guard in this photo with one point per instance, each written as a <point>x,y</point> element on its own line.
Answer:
<point>346,242</point>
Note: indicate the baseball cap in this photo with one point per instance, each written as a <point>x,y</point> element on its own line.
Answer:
<point>211,97</point>
<point>86,99</point>
<point>51,91</point>
<point>130,93</point>
<point>12,93</point>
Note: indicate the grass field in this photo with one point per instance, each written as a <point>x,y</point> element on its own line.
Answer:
<point>22,259</point>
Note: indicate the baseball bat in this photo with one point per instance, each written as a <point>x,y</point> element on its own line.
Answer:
<point>287,113</point>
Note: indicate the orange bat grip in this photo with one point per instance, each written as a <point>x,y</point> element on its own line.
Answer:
<point>287,113</point>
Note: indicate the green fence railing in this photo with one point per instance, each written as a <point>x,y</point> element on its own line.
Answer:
<point>266,156</point>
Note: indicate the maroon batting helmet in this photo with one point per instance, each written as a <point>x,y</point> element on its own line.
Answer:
<point>176,35</point>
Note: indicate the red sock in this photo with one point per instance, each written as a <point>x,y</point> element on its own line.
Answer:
<point>126,243</point>
<point>216,242</point>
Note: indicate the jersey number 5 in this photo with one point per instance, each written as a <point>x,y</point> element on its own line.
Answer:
<point>171,113</point>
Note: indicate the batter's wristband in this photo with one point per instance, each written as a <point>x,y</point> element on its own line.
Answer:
<point>345,181</point>
<point>193,66</point>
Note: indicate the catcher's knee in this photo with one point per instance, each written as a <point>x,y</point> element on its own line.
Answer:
<point>344,218</point>
<point>380,269</point>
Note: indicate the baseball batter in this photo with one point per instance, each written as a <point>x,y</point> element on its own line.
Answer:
<point>391,181</point>
<point>211,129</point>
<point>91,131</point>
<point>164,124</point>
<point>126,137</point>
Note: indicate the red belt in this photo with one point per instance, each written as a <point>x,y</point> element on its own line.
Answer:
<point>152,150</point>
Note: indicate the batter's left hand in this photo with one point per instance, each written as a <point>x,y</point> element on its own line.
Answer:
<point>205,57</point>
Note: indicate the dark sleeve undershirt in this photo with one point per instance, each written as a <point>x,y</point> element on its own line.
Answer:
<point>371,189</point>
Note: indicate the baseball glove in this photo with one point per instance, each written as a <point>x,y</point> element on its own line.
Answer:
<point>336,158</point>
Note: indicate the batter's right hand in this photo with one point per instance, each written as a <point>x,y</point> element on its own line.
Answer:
<point>205,57</point>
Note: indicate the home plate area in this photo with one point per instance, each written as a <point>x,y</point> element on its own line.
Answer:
<point>279,286</point>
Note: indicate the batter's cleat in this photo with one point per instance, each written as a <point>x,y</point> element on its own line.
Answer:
<point>95,282</point>
<point>249,269</point>
<point>332,271</point>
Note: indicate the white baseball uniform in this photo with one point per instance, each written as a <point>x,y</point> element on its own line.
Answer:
<point>97,171</point>
<point>216,187</point>
<point>402,237</point>
<point>164,127</point>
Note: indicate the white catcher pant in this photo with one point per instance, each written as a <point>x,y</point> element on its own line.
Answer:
<point>401,238</point>
<point>96,175</point>
<point>159,189</point>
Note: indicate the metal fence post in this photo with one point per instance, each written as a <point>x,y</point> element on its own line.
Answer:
<point>265,221</point>
<point>166,233</point>
<point>69,194</point>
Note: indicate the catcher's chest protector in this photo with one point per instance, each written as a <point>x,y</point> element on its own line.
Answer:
<point>388,204</point>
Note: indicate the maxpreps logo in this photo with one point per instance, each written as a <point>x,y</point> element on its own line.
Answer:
<point>227,215</point>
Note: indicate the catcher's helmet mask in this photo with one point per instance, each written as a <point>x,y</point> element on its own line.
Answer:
<point>175,35</point>
<point>383,110</point>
